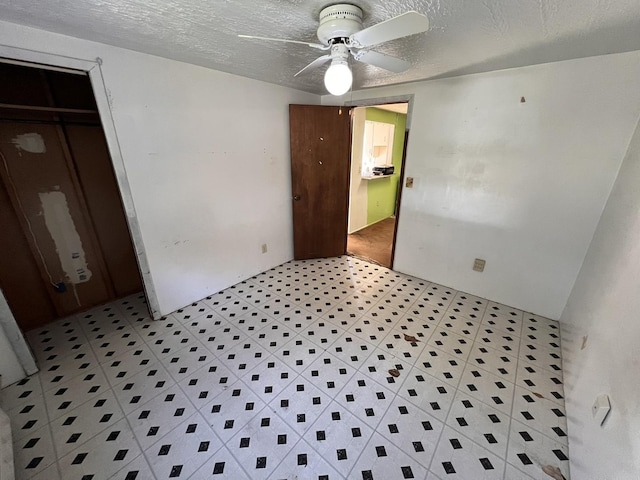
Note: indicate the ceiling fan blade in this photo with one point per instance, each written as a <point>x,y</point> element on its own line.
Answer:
<point>380,60</point>
<point>312,45</point>
<point>315,64</point>
<point>403,25</point>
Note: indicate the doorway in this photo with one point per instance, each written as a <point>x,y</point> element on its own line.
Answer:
<point>66,246</point>
<point>377,161</point>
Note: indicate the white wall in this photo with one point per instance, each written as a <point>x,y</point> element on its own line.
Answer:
<point>604,306</point>
<point>521,185</point>
<point>358,200</point>
<point>207,159</point>
<point>10,368</point>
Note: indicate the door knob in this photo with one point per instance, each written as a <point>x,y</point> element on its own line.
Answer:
<point>297,198</point>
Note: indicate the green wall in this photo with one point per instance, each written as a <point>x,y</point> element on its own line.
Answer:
<point>381,194</point>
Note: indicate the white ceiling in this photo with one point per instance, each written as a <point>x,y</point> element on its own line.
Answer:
<point>466,36</point>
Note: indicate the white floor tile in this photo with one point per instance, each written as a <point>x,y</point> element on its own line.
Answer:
<point>483,424</point>
<point>143,387</point>
<point>300,404</point>
<point>184,449</point>
<point>273,336</point>
<point>207,383</point>
<point>529,451</point>
<point>304,462</point>
<point>460,325</point>
<point>28,416</point>
<point>493,361</point>
<point>299,353</point>
<point>49,473</point>
<point>193,311</point>
<point>81,424</point>
<point>329,374</point>
<point>183,363</point>
<point>130,363</point>
<point>412,430</point>
<point>441,365</point>
<point>108,347</point>
<point>339,437</point>
<point>220,339</point>
<point>158,417</point>
<point>365,398</point>
<point>230,411</point>
<point>331,368</point>
<point>488,388</point>
<point>20,392</point>
<point>221,465</point>
<point>542,357</point>
<point>498,340</point>
<point>351,349</point>
<point>103,456</point>
<point>381,459</point>
<point>262,444</point>
<point>428,393</point>
<point>540,414</point>
<point>544,382</point>
<point>379,366</point>
<point>508,324</point>
<point>459,458</point>
<point>62,369</point>
<point>269,377</point>
<point>451,343</point>
<point>33,453</point>
<point>406,346</point>
<point>75,392</point>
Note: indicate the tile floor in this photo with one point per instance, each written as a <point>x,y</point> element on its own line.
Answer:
<point>325,369</point>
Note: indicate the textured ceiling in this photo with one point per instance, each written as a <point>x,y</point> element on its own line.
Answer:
<point>466,36</point>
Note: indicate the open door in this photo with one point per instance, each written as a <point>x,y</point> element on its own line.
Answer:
<point>320,139</point>
<point>65,246</point>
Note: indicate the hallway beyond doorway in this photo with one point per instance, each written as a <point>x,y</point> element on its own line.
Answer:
<point>373,243</point>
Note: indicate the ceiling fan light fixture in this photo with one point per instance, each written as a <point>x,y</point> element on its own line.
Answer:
<point>338,78</point>
<point>341,31</point>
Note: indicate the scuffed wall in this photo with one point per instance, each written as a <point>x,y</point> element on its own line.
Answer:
<point>600,334</point>
<point>514,167</point>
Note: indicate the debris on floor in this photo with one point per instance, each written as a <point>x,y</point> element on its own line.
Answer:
<point>394,372</point>
<point>410,338</point>
<point>553,472</point>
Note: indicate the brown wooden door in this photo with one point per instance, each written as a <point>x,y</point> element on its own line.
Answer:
<point>320,139</point>
<point>95,173</point>
<point>40,181</point>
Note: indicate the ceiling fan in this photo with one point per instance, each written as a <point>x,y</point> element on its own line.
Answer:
<point>341,33</point>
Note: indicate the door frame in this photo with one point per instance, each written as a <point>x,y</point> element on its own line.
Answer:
<point>93,69</point>
<point>372,102</point>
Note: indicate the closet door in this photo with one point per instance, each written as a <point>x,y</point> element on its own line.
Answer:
<point>95,172</point>
<point>39,178</point>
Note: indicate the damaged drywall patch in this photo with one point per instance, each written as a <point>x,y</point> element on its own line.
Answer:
<point>63,231</point>
<point>30,142</point>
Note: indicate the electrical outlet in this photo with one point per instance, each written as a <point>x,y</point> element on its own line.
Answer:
<point>409,182</point>
<point>478,264</point>
<point>264,248</point>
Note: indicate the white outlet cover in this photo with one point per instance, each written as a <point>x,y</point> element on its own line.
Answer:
<point>601,408</point>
